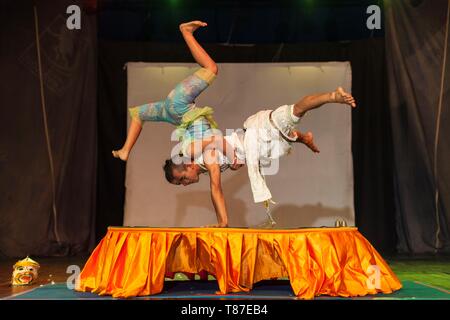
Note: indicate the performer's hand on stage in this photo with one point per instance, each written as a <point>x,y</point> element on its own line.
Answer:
<point>307,140</point>
<point>190,27</point>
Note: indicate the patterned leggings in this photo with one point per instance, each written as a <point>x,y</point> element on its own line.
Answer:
<point>179,101</point>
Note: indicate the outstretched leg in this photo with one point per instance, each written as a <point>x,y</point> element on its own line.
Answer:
<point>300,108</point>
<point>317,100</point>
<point>178,99</point>
<point>199,54</point>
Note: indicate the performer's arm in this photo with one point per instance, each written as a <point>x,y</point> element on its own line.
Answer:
<point>217,196</point>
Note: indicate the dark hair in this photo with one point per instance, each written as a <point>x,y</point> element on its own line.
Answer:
<point>168,168</point>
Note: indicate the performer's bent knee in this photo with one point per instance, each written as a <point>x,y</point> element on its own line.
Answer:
<point>134,114</point>
<point>207,75</point>
<point>299,109</point>
<point>214,69</point>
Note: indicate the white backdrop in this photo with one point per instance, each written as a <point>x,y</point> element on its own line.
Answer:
<point>311,190</point>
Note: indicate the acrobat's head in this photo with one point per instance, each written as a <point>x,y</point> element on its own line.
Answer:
<point>183,173</point>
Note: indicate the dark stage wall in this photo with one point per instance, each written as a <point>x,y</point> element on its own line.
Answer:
<point>371,137</point>
<point>419,67</point>
<point>35,218</point>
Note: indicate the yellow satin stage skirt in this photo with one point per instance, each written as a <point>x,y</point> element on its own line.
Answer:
<point>132,262</point>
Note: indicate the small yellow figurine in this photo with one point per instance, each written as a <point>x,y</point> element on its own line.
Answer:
<point>25,272</point>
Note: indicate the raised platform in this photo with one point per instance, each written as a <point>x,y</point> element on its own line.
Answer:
<point>132,262</point>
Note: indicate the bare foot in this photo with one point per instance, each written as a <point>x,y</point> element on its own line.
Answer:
<point>121,154</point>
<point>340,96</point>
<point>307,140</point>
<point>190,27</point>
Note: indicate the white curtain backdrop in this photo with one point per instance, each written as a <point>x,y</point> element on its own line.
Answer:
<point>311,190</point>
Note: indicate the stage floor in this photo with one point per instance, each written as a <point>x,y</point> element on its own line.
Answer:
<point>426,278</point>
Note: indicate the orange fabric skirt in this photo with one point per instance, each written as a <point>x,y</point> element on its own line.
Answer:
<point>132,262</point>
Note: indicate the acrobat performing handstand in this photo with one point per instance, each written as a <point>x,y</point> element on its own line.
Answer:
<point>265,137</point>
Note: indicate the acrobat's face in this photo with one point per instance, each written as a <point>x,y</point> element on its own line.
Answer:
<point>187,176</point>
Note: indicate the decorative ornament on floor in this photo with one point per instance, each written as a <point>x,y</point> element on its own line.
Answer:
<point>340,223</point>
<point>25,272</point>
<point>269,215</point>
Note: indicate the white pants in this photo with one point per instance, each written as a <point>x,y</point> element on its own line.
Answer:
<point>264,145</point>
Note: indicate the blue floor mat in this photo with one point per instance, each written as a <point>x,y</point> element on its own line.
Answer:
<point>273,290</point>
